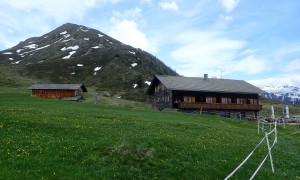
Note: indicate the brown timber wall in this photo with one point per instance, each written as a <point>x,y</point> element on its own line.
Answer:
<point>255,107</point>
<point>218,106</point>
<point>53,94</point>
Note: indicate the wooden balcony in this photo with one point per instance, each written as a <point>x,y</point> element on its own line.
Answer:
<point>219,106</point>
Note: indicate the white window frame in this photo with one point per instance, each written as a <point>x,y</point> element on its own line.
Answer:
<point>239,100</point>
<point>224,100</point>
<point>209,100</point>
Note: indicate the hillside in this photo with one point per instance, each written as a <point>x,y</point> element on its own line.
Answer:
<point>78,54</point>
<point>50,139</point>
<point>278,108</point>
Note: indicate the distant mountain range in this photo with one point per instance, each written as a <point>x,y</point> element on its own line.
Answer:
<point>78,54</point>
<point>286,94</point>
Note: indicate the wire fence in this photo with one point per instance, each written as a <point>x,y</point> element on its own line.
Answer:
<point>261,126</point>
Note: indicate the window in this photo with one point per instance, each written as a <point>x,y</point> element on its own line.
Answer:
<point>167,99</point>
<point>156,88</point>
<point>159,88</point>
<point>251,101</point>
<point>224,100</point>
<point>187,99</point>
<point>208,99</point>
<point>239,100</point>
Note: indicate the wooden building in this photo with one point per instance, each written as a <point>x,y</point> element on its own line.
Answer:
<point>72,92</point>
<point>210,95</point>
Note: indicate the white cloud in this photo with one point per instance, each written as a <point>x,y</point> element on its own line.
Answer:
<point>222,22</point>
<point>129,14</point>
<point>168,6</point>
<point>127,32</point>
<point>229,5</point>
<point>292,66</point>
<point>286,51</point>
<point>12,31</point>
<point>277,81</point>
<point>202,52</point>
<point>247,52</point>
<point>146,1</point>
<point>250,65</point>
<point>24,19</point>
<point>59,11</point>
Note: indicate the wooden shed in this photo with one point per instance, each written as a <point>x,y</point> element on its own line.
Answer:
<point>73,92</point>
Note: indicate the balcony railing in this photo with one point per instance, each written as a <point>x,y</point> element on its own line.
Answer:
<point>217,106</point>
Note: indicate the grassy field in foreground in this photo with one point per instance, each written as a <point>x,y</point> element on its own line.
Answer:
<point>53,139</point>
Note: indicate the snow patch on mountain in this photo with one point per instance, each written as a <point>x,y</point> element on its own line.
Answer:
<point>66,36</point>
<point>62,33</point>
<point>66,40</point>
<point>99,46</point>
<point>70,54</point>
<point>148,82</point>
<point>7,53</point>
<point>35,49</point>
<point>133,64</point>
<point>97,68</point>
<point>42,47</point>
<point>286,93</point>
<point>17,62</point>
<point>84,30</point>
<point>131,52</point>
<point>19,50</point>
<point>31,46</point>
<point>70,47</point>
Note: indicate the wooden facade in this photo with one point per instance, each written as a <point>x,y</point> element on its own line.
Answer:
<point>206,95</point>
<point>58,91</point>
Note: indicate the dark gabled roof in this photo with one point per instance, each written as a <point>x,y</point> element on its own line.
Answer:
<point>59,86</point>
<point>204,85</point>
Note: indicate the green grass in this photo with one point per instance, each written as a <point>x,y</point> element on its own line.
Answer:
<point>278,106</point>
<point>11,79</point>
<point>53,139</point>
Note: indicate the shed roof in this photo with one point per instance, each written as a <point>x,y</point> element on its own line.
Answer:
<point>204,85</point>
<point>59,86</point>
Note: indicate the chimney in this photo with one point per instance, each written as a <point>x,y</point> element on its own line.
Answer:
<point>205,77</point>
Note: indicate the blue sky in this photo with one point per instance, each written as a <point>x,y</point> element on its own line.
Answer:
<point>253,40</point>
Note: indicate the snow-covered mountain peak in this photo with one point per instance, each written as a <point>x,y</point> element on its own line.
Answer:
<point>286,93</point>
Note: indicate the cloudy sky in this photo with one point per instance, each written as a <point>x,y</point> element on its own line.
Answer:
<point>253,40</point>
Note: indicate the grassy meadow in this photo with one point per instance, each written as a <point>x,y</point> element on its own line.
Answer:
<point>54,139</point>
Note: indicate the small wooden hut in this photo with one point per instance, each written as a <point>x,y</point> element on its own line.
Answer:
<point>72,92</point>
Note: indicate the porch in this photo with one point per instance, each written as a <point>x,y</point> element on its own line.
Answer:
<point>219,106</point>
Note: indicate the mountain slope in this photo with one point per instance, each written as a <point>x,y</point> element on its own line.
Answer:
<point>285,94</point>
<point>73,53</point>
